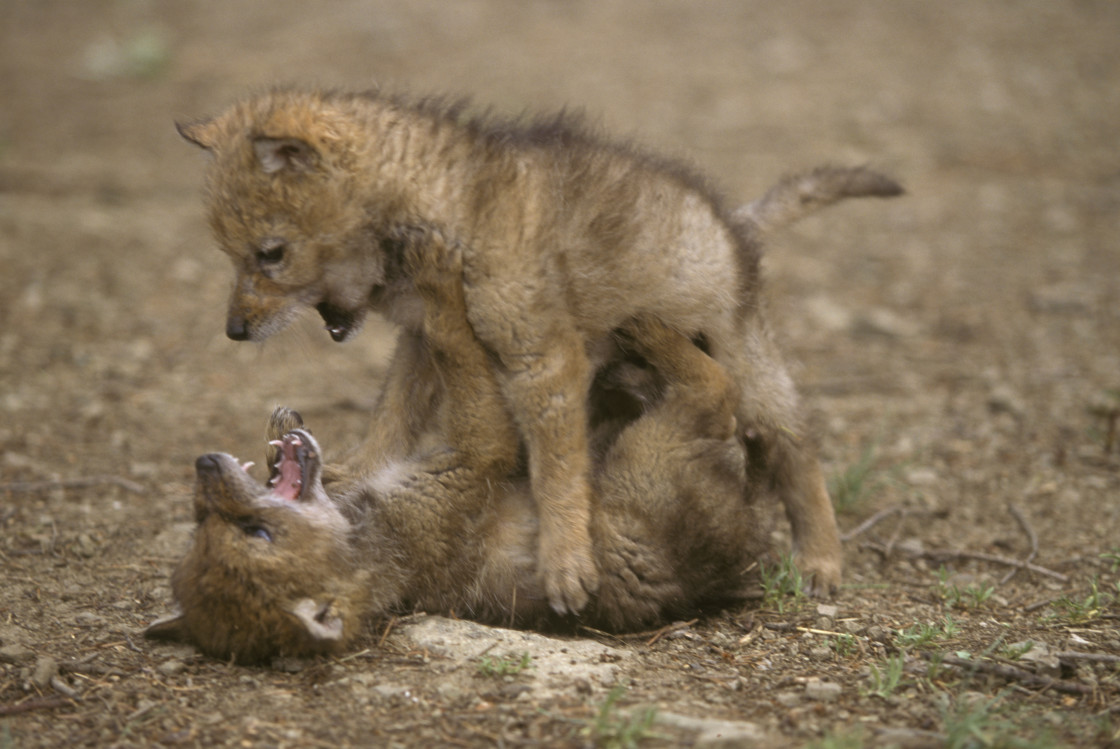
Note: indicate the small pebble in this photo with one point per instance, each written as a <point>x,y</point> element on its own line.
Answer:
<point>171,667</point>
<point>46,668</point>
<point>822,691</point>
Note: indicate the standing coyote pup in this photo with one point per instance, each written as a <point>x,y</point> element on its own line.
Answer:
<point>564,238</point>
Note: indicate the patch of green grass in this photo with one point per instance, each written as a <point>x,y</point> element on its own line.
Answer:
<point>972,596</point>
<point>505,665</point>
<point>852,486</point>
<point>614,730</point>
<point>1107,733</point>
<point>1017,651</point>
<point>854,739</point>
<point>782,586</point>
<point>1081,610</point>
<point>843,645</point>
<point>977,721</point>
<point>918,636</point>
<point>886,682</point>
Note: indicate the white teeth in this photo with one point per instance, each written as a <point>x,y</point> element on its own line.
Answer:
<point>276,443</point>
<point>247,465</point>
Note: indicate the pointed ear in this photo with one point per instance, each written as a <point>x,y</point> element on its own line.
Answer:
<point>203,134</point>
<point>292,154</point>
<point>168,629</point>
<point>319,618</point>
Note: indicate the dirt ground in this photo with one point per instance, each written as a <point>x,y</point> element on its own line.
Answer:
<point>959,349</point>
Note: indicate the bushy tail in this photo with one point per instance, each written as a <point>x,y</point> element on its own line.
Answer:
<point>799,195</point>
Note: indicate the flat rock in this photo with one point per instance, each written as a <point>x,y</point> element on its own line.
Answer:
<point>558,666</point>
<point>713,733</point>
<point>822,691</point>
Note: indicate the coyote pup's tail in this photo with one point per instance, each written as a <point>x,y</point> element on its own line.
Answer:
<point>799,195</point>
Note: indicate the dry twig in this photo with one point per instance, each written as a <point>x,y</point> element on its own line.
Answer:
<point>872,521</point>
<point>1021,519</point>
<point>1069,655</point>
<point>385,633</point>
<point>670,628</point>
<point>1012,673</point>
<point>43,703</point>
<point>943,554</point>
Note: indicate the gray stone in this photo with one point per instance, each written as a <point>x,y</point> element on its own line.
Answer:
<point>713,733</point>
<point>557,665</point>
<point>171,667</point>
<point>46,668</point>
<point>822,691</point>
<point>15,654</point>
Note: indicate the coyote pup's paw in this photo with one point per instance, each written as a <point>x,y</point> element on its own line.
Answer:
<point>433,261</point>
<point>282,421</point>
<point>569,571</point>
<point>436,267</point>
<point>816,539</point>
<point>821,573</point>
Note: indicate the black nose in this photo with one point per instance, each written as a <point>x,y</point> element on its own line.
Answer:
<point>206,464</point>
<point>236,328</point>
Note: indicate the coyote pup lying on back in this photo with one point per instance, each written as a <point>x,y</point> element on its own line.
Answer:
<point>565,238</point>
<point>292,568</point>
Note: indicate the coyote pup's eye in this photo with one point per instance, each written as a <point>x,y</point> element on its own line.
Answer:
<point>256,531</point>
<point>271,253</point>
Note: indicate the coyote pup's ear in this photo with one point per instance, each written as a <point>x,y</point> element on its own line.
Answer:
<point>203,134</point>
<point>320,619</point>
<point>278,154</point>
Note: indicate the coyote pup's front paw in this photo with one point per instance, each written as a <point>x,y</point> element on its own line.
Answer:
<point>569,572</point>
<point>821,573</point>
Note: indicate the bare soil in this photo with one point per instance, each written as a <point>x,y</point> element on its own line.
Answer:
<point>963,343</point>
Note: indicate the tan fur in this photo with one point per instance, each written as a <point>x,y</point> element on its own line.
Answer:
<point>448,530</point>
<point>564,237</point>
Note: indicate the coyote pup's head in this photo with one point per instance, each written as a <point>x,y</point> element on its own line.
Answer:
<point>284,206</point>
<point>269,572</point>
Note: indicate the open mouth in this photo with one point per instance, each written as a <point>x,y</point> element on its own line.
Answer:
<point>286,477</point>
<point>340,322</point>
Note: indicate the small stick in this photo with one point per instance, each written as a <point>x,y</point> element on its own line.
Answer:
<point>935,554</point>
<point>44,703</point>
<point>1016,674</point>
<point>781,626</point>
<point>64,688</point>
<point>388,629</point>
<point>670,628</point>
<point>21,487</point>
<point>871,522</point>
<point>1069,655</point>
<point>1031,536</point>
<point>1040,604</point>
<point>897,532</point>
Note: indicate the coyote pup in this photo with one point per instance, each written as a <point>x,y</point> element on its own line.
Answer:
<point>565,237</point>
<point>292,568</point>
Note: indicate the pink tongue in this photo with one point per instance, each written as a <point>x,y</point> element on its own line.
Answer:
<point>289,479</point>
